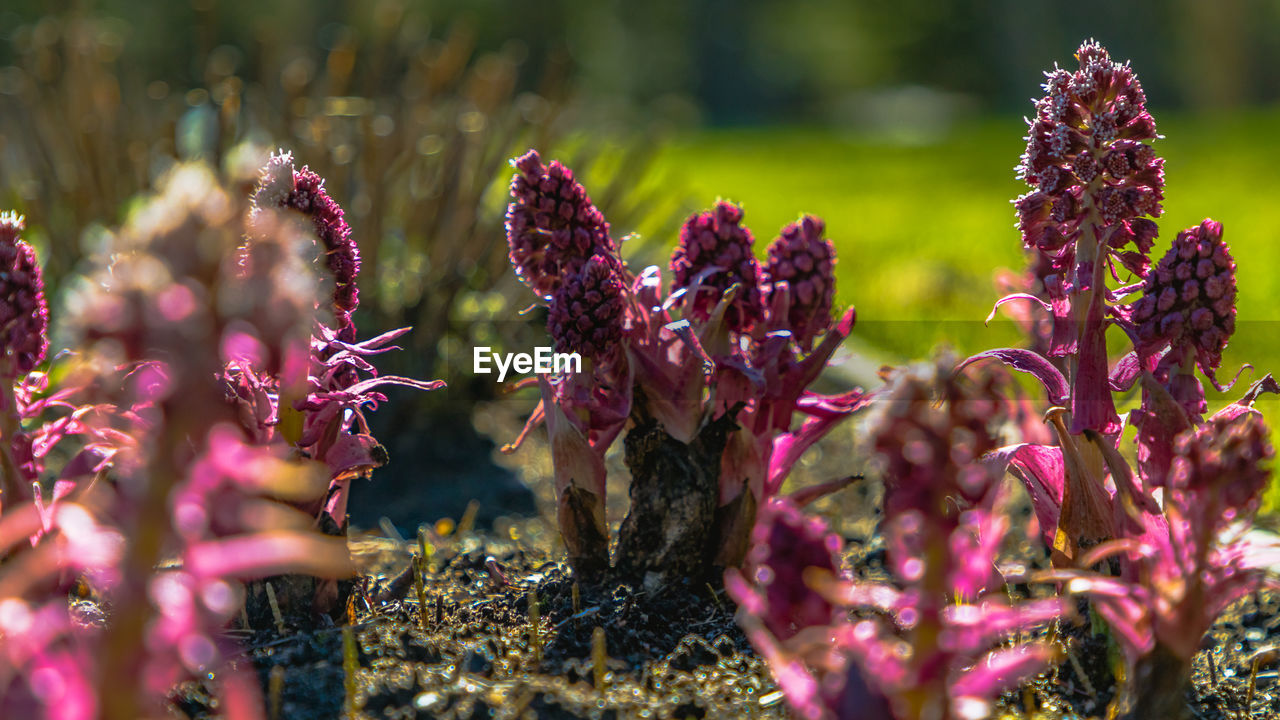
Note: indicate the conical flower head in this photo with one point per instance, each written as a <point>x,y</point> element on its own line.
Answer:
<point>587,311</point>
<point>933,427</point>
<point>24,315</point>
<point>552,225</point>
<point>785,543</point>
<point>1086,151</point>
<point>804,260</point>
<point>714,254</point>
<point>1227,457</point>
<point>1189,301</point>
<point>281,185</point>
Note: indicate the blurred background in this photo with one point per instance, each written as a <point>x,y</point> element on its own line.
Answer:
<point>899,123</point>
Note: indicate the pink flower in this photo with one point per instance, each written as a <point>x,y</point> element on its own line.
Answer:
<point>805,261</point>
<point>552,225</point>
<point>587,312</point>
<point>715,254</point>
<point>24,315</point>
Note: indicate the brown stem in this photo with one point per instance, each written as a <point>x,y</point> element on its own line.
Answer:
<point>668,533</point>
<point>120,686</point>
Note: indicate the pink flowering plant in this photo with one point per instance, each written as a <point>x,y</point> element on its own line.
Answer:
<point>220,406</point>
<point>1173,522</point>
<point>935,641</point>
<point>708,377</point>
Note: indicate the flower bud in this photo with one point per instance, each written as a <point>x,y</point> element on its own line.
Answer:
<point>715,253</point>
<point>1227,457</point>
<point>804,260</point>
<point>24,315</point>
<point>1188,301</point>
<point>785,543</point>
<point>552,225</point>
<point>587,310</point>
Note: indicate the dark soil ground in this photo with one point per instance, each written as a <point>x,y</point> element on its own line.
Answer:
<point>493,626</point>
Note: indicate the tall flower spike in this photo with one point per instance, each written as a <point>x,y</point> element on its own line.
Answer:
<point>714,254</point>
<point>1085,151</point>
<point>1097,184</point>
<point>805,261</point>
<point>281,185</point>
<point>552,225</point>
<point>587,312</point>
<point>24,315</point>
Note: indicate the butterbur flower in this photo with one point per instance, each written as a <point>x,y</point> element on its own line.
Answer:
<point>937,648</point>
<point>282,186</point>
<point>805,261</point>
<point>587,312</point>
<point>552,225</point>
<point>708,379</point>
<point>1189,301</point>
<point>785,543</point>
<point>715,254</point>
<point>24,315</point>
<point>1224,462</point>
<point>1097,184</point>
<point>1184,571</point>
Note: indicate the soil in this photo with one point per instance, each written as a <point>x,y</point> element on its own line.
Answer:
<point>491,625</point>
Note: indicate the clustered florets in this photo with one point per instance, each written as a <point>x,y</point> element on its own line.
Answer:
<point>281,185</point>
<point>1227,456</point>
<point>552,225</point>
<point>1085,151</point>
<point>587,311</point>
<point>1189,301</point>
<point>714,254</point>
<point>804,260</point>
<point>785,542</point>
<point>24,315</point>
<point>931,454</point>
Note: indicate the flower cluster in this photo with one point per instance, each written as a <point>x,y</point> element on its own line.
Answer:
<point>552,225</point>
<point>713,255</point>
<point>24,316</point>
<point>938,654</point>
<point>1176,560</point>
<point>711,375</point>
<point>805,261</point>
<point>196,331</point>
<point>587,312</point>
<point>282,186</point>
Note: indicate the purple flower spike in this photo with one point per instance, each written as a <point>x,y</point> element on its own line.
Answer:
<point>1096,187</point>
<point>587,312</point>
<point>24,315</point>
<point>786,542</point>
<point>805,261</point>
<point>552,225</point>
<point>1189,302</point>
<point>281,185</point>
<point>714,254</point>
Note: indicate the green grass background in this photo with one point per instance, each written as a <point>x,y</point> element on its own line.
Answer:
<point>921,229</point>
